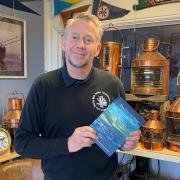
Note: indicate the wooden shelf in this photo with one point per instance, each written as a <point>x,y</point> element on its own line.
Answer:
<point>8,156</point>
<point>165,154</point>
<point>155,98</point>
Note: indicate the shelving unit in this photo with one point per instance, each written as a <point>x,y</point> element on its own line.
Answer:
<point>161,99</point>
<point>165,154</point>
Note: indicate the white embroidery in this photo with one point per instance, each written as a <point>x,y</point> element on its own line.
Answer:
<point>100,100</point>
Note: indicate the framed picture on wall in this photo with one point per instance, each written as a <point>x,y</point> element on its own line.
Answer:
<point>13,61</point>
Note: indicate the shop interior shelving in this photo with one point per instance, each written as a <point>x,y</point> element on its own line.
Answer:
<point>164,154</point>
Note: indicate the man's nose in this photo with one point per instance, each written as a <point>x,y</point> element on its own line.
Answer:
<point>81,43</point>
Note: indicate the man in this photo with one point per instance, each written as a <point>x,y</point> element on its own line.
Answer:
<point>63,103</point>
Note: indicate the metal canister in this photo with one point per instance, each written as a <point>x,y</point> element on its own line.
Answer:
<point>110,57</point>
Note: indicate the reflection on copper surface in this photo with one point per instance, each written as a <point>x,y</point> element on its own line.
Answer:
<point>153,132</point>
<point>150,71</point>
<point>173,123</point>
<point>110,57</point>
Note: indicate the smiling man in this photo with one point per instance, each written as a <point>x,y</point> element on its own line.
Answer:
<point>61,105</point>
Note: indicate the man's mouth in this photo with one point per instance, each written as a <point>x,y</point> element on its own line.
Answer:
<point>78,53</point>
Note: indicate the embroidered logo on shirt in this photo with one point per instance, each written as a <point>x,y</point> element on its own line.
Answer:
<point>100,100</point>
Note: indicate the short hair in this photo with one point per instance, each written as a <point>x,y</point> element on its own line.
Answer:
<point>87,17</point>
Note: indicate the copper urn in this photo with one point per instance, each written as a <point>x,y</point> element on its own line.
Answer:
<point>150,71</point>
<point>110,57</point>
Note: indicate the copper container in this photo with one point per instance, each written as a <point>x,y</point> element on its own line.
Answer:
<point>150,71</point>
<point>11,119</point>
<point>110,57</point>
<point>15,102</point>
<point>173,123</point>
<point>12,116</point>
<point>153,133</point>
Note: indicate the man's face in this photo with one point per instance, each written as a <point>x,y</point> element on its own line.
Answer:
<point>81,44</point>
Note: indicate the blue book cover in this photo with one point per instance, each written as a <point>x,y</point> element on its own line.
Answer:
<point>115,124</point>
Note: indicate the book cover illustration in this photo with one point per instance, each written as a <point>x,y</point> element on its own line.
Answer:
<point>114,124</point>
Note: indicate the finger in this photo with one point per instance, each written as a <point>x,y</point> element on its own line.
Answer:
<point>128,147</point>
<point>87,145</point>
<point>130,142</point>
<point>132,138</point>
<point>135,133</point>
<point>87,140</point>
<point>87,129</point>
<point>89,135</point>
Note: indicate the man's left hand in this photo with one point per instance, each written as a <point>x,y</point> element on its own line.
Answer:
<point>131,141</point>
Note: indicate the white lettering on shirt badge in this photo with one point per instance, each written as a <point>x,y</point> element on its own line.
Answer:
<point>101,100</point>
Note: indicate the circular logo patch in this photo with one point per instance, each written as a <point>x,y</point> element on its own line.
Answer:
<point>100,100</point>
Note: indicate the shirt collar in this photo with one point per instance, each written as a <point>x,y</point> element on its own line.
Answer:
<point>68,80</point>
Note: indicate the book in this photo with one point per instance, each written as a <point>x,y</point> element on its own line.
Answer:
<point>114,124</point>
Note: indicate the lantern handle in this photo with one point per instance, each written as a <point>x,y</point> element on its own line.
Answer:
<point>14,92</point>
<point>112,27</point>
<point>158,42</point>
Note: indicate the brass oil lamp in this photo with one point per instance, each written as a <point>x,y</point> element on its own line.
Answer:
<point>173,123</point>
<point>150,71</point>
<point>110,57</point>
<point>153,132</point>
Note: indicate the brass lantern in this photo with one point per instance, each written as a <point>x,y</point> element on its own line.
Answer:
<point>153,132</point>
<point>150,71</point>
<point>173,123</point>
<point>110,57</point>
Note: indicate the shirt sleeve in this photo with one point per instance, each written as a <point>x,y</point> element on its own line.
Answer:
<point>29,141</point>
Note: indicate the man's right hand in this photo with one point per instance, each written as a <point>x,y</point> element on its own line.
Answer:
<point>81,137</point>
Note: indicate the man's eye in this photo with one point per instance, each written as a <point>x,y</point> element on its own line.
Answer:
<point>74,37</point>
<point>88,40</point>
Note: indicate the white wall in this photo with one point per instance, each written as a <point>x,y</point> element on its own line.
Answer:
<point>35,52</point>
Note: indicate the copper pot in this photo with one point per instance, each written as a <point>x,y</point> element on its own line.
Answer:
<point>110,57</point>
<point>150,71</point>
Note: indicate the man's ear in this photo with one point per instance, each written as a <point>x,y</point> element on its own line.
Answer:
<point>98,48</point>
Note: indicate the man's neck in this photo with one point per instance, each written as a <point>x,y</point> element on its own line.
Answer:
<point>79,73</point>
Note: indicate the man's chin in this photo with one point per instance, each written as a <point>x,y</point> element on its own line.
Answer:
<point>77,65</point>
